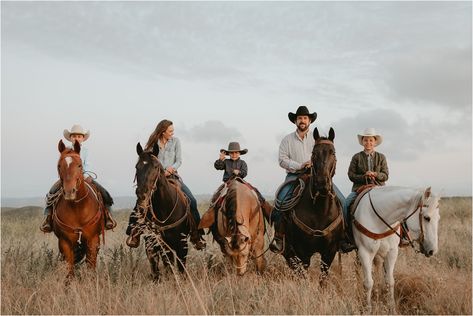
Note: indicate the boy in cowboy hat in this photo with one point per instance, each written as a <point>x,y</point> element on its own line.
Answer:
<point>366,167</point>
<point>295,153</point>
<point>78,134</point>
<point>233,166</point>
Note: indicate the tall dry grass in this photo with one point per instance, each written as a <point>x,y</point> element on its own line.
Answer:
<point>32,277</point>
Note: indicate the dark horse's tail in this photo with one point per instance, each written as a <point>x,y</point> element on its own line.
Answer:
<point>79,253</point>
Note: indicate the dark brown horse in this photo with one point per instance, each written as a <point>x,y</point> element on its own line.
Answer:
<point>78,213</point>
<point>315,224</point>
<point>238,226</point>
<point>163,213</point>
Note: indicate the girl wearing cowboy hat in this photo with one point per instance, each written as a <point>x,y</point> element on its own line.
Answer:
<point>366,167</point>
<point>78,134</point>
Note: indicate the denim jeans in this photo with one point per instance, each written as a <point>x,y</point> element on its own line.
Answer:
<point>347,203</point>
<point>194,210</point>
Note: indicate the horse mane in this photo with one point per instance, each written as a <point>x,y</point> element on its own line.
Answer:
<point>230,208</point>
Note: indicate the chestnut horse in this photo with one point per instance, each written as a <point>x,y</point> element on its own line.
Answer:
<point>315,223</point>
<point>77,216</point>
<point>163,213</point>
<point>238,226</point>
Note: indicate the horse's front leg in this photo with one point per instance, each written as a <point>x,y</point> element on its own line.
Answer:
<point>152,252</point>
<point>181,255</point>
<point>366,259</point>
<point>93,245</point>
<point>325,263</point>
<point>389,263</point>
<point>67,251</point>
<point>258,253</point>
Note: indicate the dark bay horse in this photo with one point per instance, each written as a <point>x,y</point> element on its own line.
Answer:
<point>78,212</point>
<point>315,224</point>
<point>238,226</point>
<point>163,213</point>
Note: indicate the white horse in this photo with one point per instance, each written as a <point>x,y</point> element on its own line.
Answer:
<point>376,228</point>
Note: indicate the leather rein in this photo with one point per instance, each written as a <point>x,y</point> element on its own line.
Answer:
<point>392,230</point>
<point>339,219</point>
<point>148,207</point>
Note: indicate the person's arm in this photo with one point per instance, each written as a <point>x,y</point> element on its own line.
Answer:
<point>84,156</point>
<point>243,169</point>
<point>284,160</point>
<point>219,164</point>
<point>353,174</point>
<point>178,154</point>
<point>383,174</point>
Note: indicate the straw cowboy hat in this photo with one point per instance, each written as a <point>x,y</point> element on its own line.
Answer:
<point>370,131</point>
<point>234,147</point>
<point>302,110</point>
<point>76,129</point>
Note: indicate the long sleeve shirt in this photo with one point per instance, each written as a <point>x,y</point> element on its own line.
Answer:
<point>170,155</point>
<point>294,151</point>
<point>359,166</point>
<point>229,165</point>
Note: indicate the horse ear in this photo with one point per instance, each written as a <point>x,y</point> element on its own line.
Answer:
<point>77,147</point>
<point>139,149</point>
<point>331,134</point>
<point>316,134</point>
<point>61,146</point>
<point>207,219</point>
<point>427,192</point>
<point>156,149</point>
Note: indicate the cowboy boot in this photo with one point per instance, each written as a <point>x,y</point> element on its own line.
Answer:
<point>347,245</point>
<point>46,225</point>
<point>110,223</point>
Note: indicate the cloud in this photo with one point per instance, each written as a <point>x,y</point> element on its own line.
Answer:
<point>211,131</point>
<point>441,77</point>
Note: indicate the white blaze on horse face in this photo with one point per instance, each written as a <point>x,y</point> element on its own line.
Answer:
<point>68,161</point>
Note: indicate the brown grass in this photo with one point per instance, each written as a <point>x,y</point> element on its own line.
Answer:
<point>32,277</point>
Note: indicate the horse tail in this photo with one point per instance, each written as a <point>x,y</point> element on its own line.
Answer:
<point>79,252</point>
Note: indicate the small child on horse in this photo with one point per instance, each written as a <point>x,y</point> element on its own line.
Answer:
<point>78,134</point>
<point>235,167</point>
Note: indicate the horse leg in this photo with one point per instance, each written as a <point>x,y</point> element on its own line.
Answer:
<point>92,250</point>
<point>67,251</point>
<point>325,263</point>
<point>366,259</point>
<point>389,263</point>
<point>258,252</point>
<point>152,252</point>
<point>181,255</point>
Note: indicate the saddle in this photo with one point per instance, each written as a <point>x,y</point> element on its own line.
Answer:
<point>361,191</point>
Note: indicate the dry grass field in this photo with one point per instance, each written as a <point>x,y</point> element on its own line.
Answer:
<point>32,277</point>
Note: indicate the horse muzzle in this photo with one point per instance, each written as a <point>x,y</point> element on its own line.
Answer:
<point>70,195</point>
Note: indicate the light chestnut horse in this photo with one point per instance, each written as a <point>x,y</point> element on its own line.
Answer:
<point>376,229</point>
<point>78,212</point>
<point>238,226</point>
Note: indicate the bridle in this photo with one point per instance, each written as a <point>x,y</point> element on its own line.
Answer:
<point>78,182</point>
<point>330,192</point>
<point>148,205</point>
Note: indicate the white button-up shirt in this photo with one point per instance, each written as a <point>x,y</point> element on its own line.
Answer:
<point>294,151</point>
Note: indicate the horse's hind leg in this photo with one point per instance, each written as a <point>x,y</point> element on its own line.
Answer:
<point>67,251</point>
<point>152,252</point>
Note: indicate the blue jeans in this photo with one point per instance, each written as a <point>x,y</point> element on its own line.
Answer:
<point>347,203</point>
<point>287,190</point>
<point>194,210</point>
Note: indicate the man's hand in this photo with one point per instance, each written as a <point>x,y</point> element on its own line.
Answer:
<point>306,165</point>
<point>169,171</point>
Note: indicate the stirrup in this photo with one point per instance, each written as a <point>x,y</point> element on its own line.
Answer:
<point>277,244</point>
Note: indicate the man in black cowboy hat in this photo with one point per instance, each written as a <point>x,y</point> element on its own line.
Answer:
<point>295,153</point>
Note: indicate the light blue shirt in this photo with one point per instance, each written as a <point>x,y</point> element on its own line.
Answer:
<point>170,155</point>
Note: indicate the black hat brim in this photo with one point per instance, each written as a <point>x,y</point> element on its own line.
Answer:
<point>293,116</point>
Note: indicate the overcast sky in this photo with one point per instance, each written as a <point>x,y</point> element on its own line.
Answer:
<point>231,71</point>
